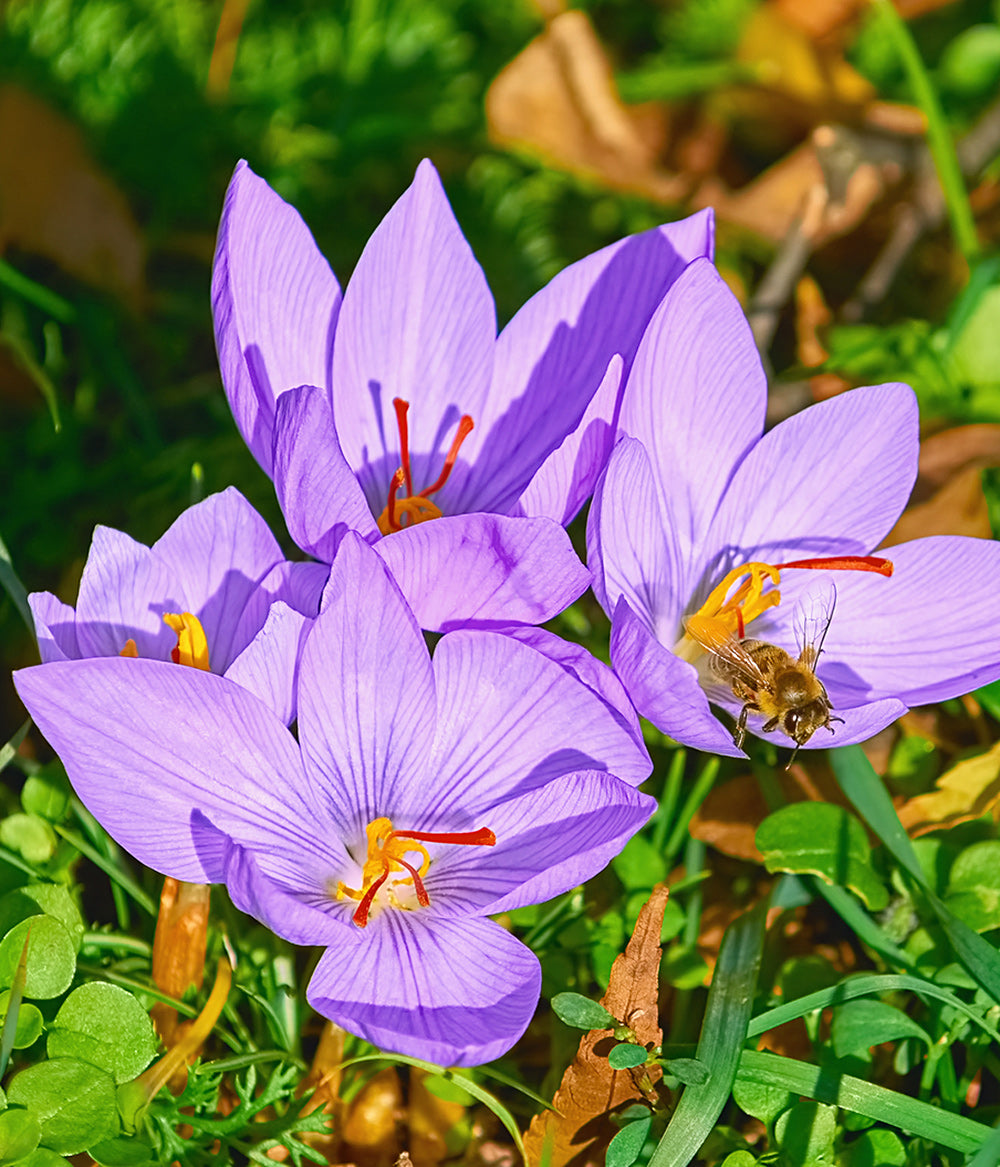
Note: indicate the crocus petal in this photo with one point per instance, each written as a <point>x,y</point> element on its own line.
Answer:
<point>596,675</point>
<point>857,724</point>
<point>632,545</point>
<point>168,758</point>
<point>566,479</point>
<point>830,480</point>
<point>696,397</point>
<point>318,492</point>
<point>268,666</point>
<point>510,720</point>
<point>418,322</point>
<point>55,627</point>
<point>481,568</point>
<point>275,304</point>
<point>551,357</point>
<point>548,840</point>
<point>926,634</point>
<point>665,688</point>
<point>366,693</point>
<point>292,906</point>
<point>456,992</point>
<point>124,592</point>
<point>217,552</point>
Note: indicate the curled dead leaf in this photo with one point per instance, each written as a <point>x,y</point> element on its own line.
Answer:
<point>557,99</point>
<point>56,202</point>
<point>579,1130</point>
<point>967,791</point>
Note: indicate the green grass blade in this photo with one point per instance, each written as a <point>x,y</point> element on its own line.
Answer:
<point>939,140</point>
<point>12,585</point>
<point>9,1032</point>
<point>125,882</point>
<point>721,1043</point>
<point>866,790</point>
<point>9,751</point>
<point>460,1079</point>
<point>37,294</point>
<point>862,925</point>
<point>876,1102</point>
<point>988,1154</point>
<point>864,986</point>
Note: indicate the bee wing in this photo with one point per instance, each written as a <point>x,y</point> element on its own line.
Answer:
<point>811,619</point>
<point>715,637</point>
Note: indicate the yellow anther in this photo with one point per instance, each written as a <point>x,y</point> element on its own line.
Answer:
<point>192,644</point>
<point>415,509</point>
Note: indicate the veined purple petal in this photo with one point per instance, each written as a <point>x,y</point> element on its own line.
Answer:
<point>216,553</point>
<point>318,492</point>
<point>456,992</point>
<point>552,356</point>
<point>275,303</point>
<point>859,723</point>
<point>830,480</point>
<point>171,760</point>
<point>464,569</point>
<point>596,675</point>
<point>291,902</point>
<point>632,544</point>
<point>418,322</point>
<point>55,627</point>
<point>124,591</point>
<point>366,694</point>
<point>696,397</point>
<point>548,840</point>
<point>928,633</point>
<point>510,720</point>
<point>269,665</point>
<point>566,479</point>
<point>665,688</point>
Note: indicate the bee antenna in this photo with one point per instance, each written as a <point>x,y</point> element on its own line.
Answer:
<point>795,753</point>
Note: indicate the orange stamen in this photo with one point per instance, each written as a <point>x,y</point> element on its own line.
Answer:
<point>130,648</point>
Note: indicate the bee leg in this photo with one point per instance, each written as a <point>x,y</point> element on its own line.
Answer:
<point>769,725</point>
<point>740,732</point>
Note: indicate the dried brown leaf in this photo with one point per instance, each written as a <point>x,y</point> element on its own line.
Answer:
<point>370,1126</point>
<point>967,791</point>
<point>578,1133</point>
<point>557,99</point>
<point>56,202</point>
<point>771,204</point>
<point>948,497</point>
<point>729,817</point>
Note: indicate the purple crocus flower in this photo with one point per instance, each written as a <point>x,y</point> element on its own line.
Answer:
<point>421,797</point>
<point>214,591</point>
<point>696,490</point>
<point>401,404</point>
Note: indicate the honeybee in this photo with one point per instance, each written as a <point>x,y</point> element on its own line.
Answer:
<point>769,680</point>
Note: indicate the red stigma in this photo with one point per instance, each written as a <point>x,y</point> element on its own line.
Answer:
<point>416,508</point>
<point>844,563</point>
<point>484,837</point>
<point>360,916</point>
